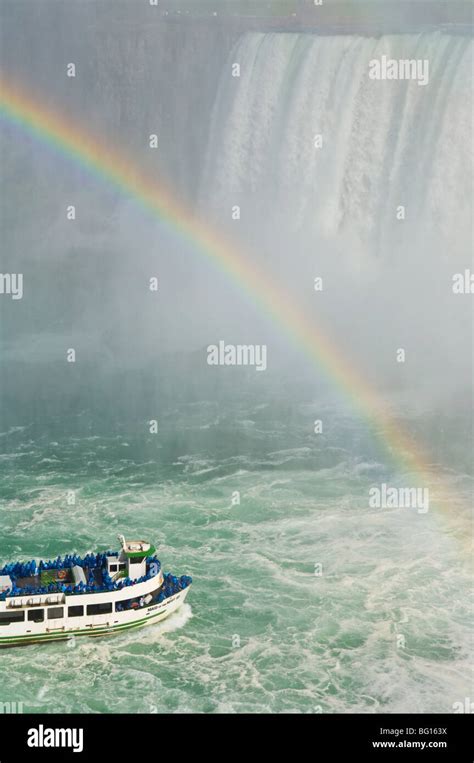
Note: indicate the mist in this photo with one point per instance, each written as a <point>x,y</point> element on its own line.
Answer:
<point>306,211</point>
<point>261,382</point>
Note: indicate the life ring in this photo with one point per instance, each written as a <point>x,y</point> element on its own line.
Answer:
<point>62,574</point>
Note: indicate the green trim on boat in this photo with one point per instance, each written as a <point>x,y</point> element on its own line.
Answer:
<point>134,554</point>
<point>63,635</point>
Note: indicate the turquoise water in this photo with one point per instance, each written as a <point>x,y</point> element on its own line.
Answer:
<point>304,598</point>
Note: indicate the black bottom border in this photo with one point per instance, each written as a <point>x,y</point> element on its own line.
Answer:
<point>101,737</point>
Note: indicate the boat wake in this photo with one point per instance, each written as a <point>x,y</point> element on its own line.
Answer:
<point>154,633</point>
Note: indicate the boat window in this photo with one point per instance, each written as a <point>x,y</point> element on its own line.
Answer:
<point>36,615</point>
<point>136,559</point>
<point>11,617</point>
<point>122,566</point>
<point>75,611</point>
<point>99,609</point>
<point>113,568</point>
<point>55,612</point>
<point>137,602</point>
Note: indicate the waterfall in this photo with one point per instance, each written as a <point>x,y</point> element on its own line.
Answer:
<point>383,143</point>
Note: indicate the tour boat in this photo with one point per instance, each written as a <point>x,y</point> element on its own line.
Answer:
<point>95,595</point>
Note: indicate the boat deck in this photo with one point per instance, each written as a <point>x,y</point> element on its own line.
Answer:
<point>63,577</point>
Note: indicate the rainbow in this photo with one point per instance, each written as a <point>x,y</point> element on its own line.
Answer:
<point>115,167</point>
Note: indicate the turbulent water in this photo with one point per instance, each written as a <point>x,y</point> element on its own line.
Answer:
<point>305,599</point>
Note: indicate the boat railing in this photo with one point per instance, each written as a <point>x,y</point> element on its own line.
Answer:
<point>91,563</point>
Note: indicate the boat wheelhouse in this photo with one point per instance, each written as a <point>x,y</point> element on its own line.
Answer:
<point>94,595</point>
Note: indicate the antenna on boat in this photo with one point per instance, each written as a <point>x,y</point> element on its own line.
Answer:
<point>122,540</point>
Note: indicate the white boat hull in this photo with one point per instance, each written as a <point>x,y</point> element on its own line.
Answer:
<point>97,625</point>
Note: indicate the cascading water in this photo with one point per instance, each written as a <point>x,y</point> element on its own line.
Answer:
<point>383,143</point>
<point>305,597</point>
<point>365,182</point>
